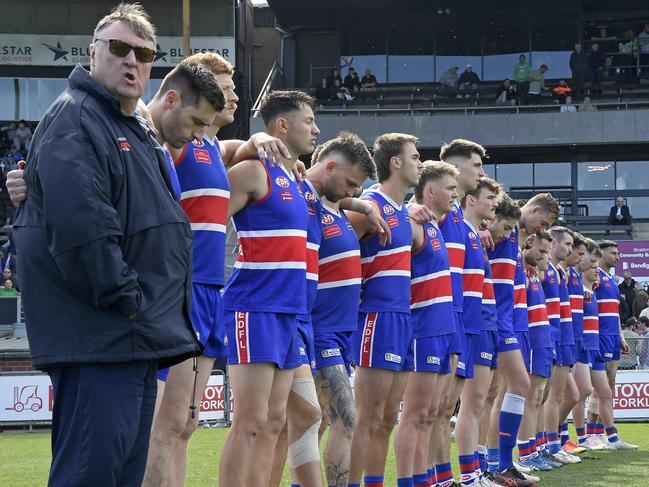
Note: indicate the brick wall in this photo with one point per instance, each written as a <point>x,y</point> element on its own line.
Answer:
<point>15,364</point>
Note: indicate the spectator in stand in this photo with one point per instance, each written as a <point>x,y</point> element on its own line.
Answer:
<point>587,105</point>
<point>568,106</point>
<point>643,45</point>
<point>333,76</point>
<point>620,214</point>
<point>579,66</point>
<point>537,83</point>
<point>8,275</point>
<point>449,78</point>
<point>352,82</point>
<point>628,288</point>
<point>560,92</point>
<point>13,155</point>
<point>368,82</point>
<point>468,80</point>
<point>623,309</point>
<point>23,136</point>
<point>627,58</point>
<point>9,132</point>
<point>640,302</point>
<point>8,289</point>
<point>323,92</point>
<point>522,72</point>
<point>597,61</point>
<point>643,342</point>
<point>629,327</point>
<point>340,92</point>
<point>506,94</point>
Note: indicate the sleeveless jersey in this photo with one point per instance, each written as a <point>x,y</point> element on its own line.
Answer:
<point>205,196</point>
<point>431,301</point>
<point>473,281</point>
<point>270,272</point>
<point>339,279</point>
<point>550,282</point>
<point>520,296</point>
<point>503,268</point>
<point>454,233</point>
<point>313,238</point>
<point>386,270</point>
<point>590,340</point>
<point>576,290</point>
<point>537,315</point>
<point>489,314</point>
<point>608,300</point>
<point>565,313</point>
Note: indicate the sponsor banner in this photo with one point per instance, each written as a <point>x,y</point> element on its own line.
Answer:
<point>634,257</point>
<point>631,395</point>
<point>30,398</point>
<point>53,50</point>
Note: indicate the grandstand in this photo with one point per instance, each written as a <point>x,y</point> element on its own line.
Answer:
<point>585,158</point>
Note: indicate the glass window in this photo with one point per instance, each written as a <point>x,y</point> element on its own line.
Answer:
<point>632,175</point>
<point>490,170</point>
<point>444,63</point>
<point>598,207</point>
<point>7,98</point>
<point>500,66</point>
<point>595,175</point>
<point>376,63</point>
<point>407,69</point>
<point>638,207</point>
<point>557,61</point>
<point>551,174</point>
<point>516,175</point>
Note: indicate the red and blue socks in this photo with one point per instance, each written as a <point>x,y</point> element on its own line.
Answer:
<point>468,473</point>
<point>373,481</point>
<point>511,415</point>
<point>525,449</point>
<point>420,480</point>
<point>405,482</point>
<point>581,435</point>
<point>565,434</point>
<point>444,474</point>
<point>611,433</point>
<point>553,442</point>
<point>493,459</point>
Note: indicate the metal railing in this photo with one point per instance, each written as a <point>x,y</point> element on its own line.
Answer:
<point>266,88</point>
<point>638,356</point>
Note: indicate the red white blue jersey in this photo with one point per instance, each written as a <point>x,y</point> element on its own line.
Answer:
<point>608,300</point>
<point>503,267</point>
<point>550,283</point>
<point>313,238</point>
<point>205,193</point>
<point>454,232</point>
<point>576,290</point>
<point>537,314</point>
<point>386,270</point>
<point>489,313</point>
<point>431,302</point>
<point>270,272</point>
<point>473,281</point>
<point>520,296</point>
<point>590,339</point>
<point>339,280</point>
<point>565,313</point>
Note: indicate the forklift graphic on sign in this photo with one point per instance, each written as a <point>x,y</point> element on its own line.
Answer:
<point>26,399</point>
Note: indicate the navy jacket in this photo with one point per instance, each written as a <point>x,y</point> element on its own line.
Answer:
<point>104,248</point>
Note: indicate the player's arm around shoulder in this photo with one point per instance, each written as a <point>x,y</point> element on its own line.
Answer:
<point>418,235</point>
<point>248,182</point>
<point>361,224</point>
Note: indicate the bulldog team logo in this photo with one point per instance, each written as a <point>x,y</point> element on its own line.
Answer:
<point>327,219</point>
<point>310,197</point>
<point>198,143</point>
<point>472,236</point>
<point>431,232</point>
<point>388,210</point>
<point>281,181</point>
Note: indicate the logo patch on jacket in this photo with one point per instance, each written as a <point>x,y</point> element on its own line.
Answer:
<point>124,146</point>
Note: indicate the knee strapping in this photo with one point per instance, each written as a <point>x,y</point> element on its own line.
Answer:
<point>593,404</point>
<point>305,449</point>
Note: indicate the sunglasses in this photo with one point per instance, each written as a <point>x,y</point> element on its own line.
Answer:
<point>121,49</point>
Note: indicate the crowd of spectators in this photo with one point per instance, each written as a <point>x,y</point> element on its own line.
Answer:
<point>333,87</point>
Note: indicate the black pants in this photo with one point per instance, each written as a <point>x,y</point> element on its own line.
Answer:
<point>101,423</point>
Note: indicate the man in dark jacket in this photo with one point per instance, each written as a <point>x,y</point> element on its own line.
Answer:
<point>105,256</point>
<point>619,214</point>
<point>580,66</point>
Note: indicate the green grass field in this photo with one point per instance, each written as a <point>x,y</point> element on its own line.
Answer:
<point>25,457</point>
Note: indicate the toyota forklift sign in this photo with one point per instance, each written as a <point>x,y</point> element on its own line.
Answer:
<point>26,398</point>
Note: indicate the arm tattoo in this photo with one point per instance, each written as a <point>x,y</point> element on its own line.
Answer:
<point>335,384</point>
